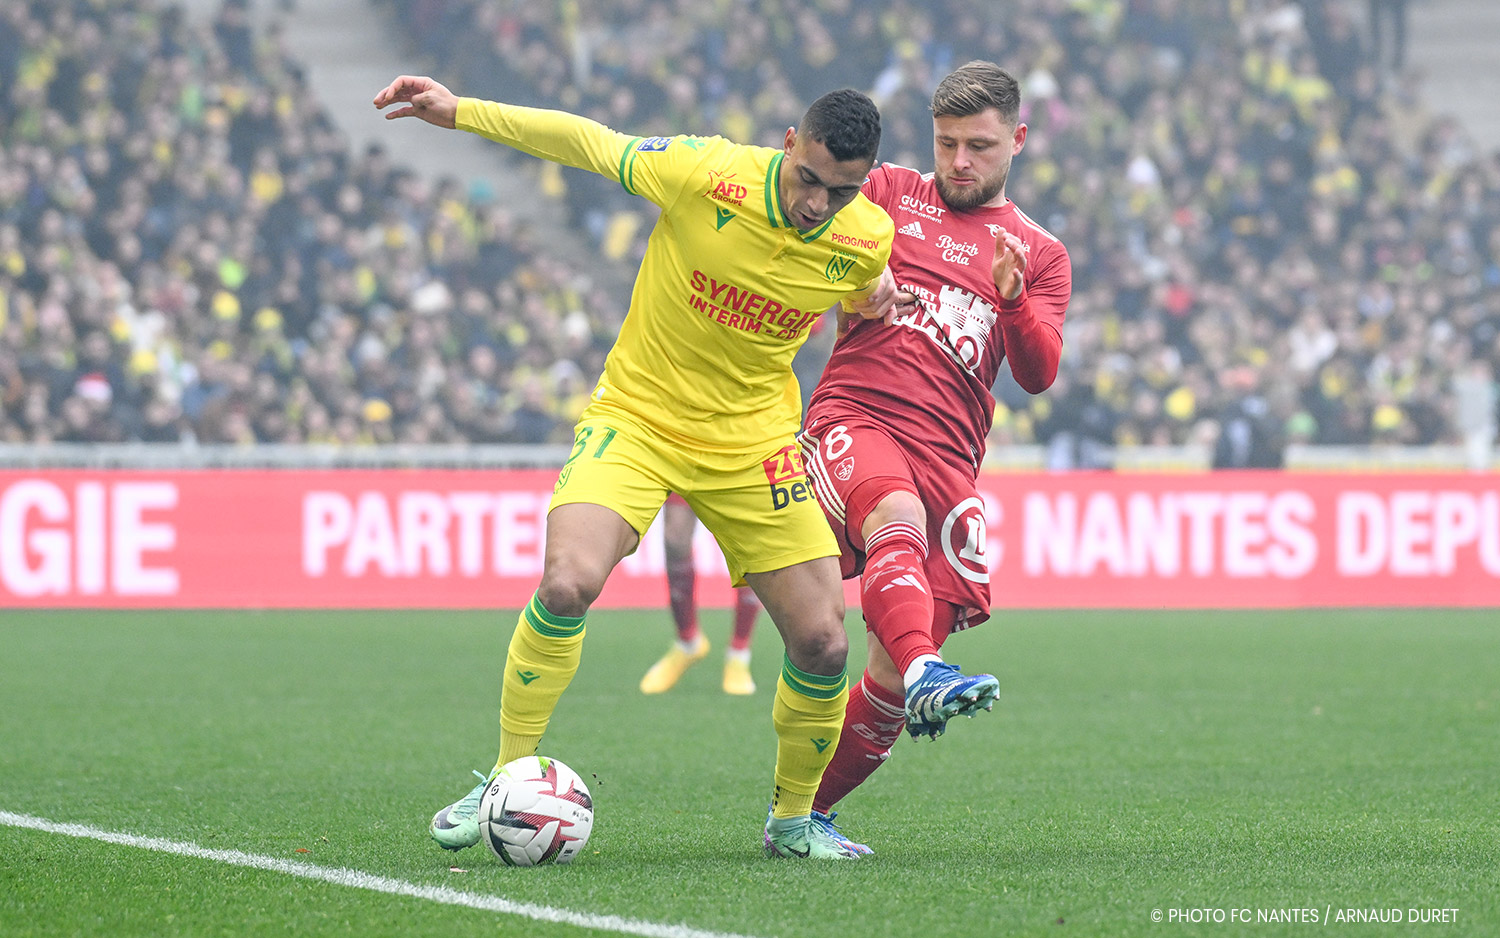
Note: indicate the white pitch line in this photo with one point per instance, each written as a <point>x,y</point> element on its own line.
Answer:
<point>358,880</point>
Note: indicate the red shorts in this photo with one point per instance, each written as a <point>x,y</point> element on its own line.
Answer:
<point>853,462</point>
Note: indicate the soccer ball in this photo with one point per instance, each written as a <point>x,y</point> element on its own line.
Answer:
<point>535,811</point>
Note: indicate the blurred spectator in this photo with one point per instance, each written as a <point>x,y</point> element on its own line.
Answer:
<point>1388,32</point>
<point>1476,399</point>
<point>1249,435</point>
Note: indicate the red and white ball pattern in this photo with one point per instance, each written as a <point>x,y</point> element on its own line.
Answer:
<point>536,811</point>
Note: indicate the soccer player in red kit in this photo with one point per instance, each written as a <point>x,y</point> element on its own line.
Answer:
<point>895,430</point>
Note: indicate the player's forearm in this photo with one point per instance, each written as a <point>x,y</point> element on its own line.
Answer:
<point>552,135</point>
<point>1033,347</point>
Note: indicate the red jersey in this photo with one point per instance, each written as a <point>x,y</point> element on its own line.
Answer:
<point>928,375</point>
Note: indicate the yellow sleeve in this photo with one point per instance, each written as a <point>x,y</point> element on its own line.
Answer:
<point>646,166</point>
<point>857,294</point>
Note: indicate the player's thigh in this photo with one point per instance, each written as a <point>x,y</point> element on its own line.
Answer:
<point>806,601</point>
<point>957,561</point>
<point>854,465</point>
<point>584,543</point>
<point>677,526</point>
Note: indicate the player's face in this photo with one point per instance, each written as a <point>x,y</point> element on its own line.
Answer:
<point>814,185</point>
<point>972,155</point>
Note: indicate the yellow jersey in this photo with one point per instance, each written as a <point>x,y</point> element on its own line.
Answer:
<point>728,288</point>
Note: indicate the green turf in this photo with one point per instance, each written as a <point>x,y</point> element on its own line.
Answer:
<point>1137,761</point>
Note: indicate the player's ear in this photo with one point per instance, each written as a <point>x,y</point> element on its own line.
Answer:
<point>1019,140</point>
<point>790,141</point>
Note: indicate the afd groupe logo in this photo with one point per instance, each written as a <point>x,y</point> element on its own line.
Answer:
<point>788,478</point>
<point>723,188</point>
<point>653,144</point>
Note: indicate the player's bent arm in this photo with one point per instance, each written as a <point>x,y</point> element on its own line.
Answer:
<point>878,299</point>
<point>875,298</point>
<point>563,138</point>
<point>1032,326</point>
<point>1033,347</point>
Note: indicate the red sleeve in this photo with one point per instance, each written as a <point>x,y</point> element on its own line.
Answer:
<point>1031,324</point>
<point>877,184</point>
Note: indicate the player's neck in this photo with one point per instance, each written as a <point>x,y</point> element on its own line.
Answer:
<point>998,201</point>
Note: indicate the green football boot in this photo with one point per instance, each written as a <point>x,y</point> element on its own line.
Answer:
<point>800,838</point>
<point>457,826</point>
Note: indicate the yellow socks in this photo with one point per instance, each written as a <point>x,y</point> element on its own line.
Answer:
<point>543,657</point>
<point>545,649</point>
<point>808,714</point>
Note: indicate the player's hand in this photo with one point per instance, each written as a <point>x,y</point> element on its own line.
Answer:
<point>423,98</point>
<point>1009,264</point>
<point>885,302</point>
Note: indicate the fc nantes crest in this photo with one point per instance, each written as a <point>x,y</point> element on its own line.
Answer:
<point>839,266</point>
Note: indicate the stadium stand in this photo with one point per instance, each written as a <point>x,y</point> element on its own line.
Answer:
<point>189,253</point>
<point>1273,243</point>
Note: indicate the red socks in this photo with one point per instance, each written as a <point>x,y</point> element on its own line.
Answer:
<point>746,608</point>
<point>896,597</point>
<point>682,582</point>
<point>873,722</point>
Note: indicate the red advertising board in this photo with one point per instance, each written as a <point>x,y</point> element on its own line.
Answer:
<point>474,538</point>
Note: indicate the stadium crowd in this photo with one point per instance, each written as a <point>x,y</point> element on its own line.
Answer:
<point>1272,240</point>
<point>189,251</point>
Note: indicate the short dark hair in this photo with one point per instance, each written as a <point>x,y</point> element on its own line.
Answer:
<point>846,122</point>
<point>976,86</point>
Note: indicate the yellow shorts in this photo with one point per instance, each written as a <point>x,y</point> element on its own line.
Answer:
<point>759,506</point>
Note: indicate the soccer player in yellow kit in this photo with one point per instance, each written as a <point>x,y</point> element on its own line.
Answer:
<point>698,397</point>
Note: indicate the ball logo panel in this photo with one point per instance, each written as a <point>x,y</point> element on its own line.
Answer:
<point>536,811</point>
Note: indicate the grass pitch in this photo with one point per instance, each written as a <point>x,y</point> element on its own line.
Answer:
<point>1138,763</point>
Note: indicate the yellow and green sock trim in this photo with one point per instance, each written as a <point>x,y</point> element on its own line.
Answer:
<point>816,686</point>
<point>551,624</point>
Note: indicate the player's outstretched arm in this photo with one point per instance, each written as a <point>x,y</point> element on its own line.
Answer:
<point>423,97</point>
<point>649,169</point>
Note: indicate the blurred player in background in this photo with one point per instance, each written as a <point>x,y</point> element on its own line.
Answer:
<point>896,430</point>
<point>678,525</point>
<point>698,397</point>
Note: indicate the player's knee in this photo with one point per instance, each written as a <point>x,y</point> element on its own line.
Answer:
<point>899,505</point>
<point>568,590</point>
<point>823,651</point>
